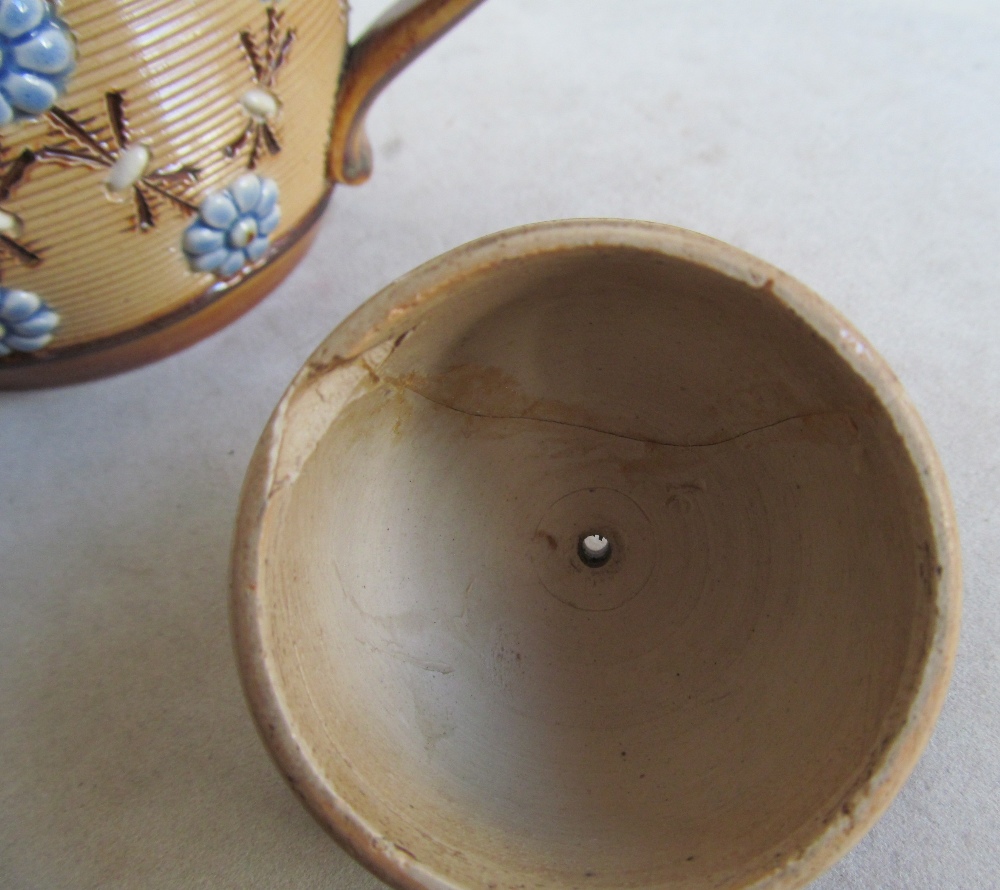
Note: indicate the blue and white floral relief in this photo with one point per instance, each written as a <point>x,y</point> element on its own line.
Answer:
<point>37,56</point>
<point>26,323</point>
<point>234,226</point>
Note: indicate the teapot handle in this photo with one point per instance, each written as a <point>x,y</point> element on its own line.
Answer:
<point>394,40</point>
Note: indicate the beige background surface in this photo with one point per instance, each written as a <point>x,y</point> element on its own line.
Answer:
<point>851,142</point>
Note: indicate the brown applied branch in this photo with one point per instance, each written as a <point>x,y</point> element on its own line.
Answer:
<point>82,147</point>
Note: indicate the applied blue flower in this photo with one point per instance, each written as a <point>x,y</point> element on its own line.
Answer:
<point>233,227</point>
<point>37,56</point>
<point>26,323</point>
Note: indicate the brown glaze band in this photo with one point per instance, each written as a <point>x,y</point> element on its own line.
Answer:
<point>170,333</point>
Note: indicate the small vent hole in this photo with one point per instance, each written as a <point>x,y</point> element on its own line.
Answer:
<point>594,550</point>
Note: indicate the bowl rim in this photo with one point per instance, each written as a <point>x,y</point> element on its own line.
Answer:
<point>390,313</point>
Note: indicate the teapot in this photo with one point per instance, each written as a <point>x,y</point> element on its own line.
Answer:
<point>164,163</point>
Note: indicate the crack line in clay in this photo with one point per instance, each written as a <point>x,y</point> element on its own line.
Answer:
<point>646,441</point>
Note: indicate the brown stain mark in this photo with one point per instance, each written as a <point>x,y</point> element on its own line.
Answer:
<point>316,369</point>
<point>929,569</point>
<point>549,539</point>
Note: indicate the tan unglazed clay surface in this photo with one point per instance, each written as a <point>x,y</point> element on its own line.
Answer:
<point>735,695</point>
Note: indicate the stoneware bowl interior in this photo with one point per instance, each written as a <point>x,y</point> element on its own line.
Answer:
<point>596,555</point>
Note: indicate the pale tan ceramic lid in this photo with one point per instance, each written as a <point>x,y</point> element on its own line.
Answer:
<point>426,722</point>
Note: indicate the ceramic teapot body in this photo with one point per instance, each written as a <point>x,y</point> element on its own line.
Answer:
<point>162,163</point>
